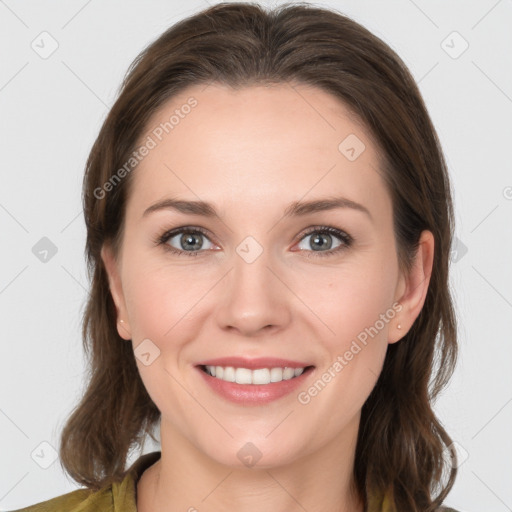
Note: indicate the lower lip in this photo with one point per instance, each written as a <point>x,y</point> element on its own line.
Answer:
<point>254,394</point>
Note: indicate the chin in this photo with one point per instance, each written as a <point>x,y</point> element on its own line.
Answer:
<point>255,452</point>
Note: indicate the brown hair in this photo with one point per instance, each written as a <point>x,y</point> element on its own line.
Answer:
<point>401,442</point>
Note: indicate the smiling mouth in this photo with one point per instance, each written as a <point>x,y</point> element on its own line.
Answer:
<point>259,376</point>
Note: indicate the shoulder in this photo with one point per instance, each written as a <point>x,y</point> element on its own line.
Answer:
<point>119,496</point>
<point>84,500</point>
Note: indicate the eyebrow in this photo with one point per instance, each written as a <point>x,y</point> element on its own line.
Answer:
<point>295,209</point>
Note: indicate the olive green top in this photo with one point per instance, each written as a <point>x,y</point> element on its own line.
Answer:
<point>117,497</point>
<point>122,497</point>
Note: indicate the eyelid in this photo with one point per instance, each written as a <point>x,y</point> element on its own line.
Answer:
<point>326,229</point>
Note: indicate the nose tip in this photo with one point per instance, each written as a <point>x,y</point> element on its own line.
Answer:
<point>253,298</point>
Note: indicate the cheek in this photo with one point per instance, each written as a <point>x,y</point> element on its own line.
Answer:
<point>162,305</point>
<point>159,298</point>
<point>355,300</point>
<point>358,313</point>
<point>357,306</point>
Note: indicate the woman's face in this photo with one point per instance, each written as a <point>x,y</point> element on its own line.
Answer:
<point>266,276</point>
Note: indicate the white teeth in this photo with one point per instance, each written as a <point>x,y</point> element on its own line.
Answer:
<point>288,373</point>
<point>259,376</point>
<point>243,376</point>
<point>276,375</point>
<point>229,374</point>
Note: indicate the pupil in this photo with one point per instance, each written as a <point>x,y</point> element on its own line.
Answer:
<point>189,239</point>
<point>316,238</point>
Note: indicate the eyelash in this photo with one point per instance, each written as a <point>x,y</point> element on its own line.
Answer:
<point>345,238</point>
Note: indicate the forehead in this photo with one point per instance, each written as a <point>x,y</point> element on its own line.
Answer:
<point>257,145</point>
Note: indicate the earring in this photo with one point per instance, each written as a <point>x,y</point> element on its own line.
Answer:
<point>398,326</point>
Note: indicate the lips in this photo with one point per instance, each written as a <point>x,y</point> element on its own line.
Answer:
<point>253,381</point>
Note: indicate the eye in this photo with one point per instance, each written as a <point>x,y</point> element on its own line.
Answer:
<point>321,241</point>
<point>189,241</point>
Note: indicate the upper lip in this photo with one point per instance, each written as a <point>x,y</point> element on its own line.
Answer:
<point>253,364</point>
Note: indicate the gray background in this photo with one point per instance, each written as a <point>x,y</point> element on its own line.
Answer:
<point>51,111</point>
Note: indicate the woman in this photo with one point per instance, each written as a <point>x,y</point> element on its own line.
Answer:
<point>291,361</point>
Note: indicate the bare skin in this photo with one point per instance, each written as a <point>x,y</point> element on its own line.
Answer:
<point>251,153</point>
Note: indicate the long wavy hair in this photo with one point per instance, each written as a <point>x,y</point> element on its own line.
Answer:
<point>401,447</point>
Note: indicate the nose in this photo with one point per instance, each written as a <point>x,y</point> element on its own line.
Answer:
<point>254,298</point>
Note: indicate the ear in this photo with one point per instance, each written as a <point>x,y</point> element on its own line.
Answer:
<point>116,289</point>
<point>412,289</point>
